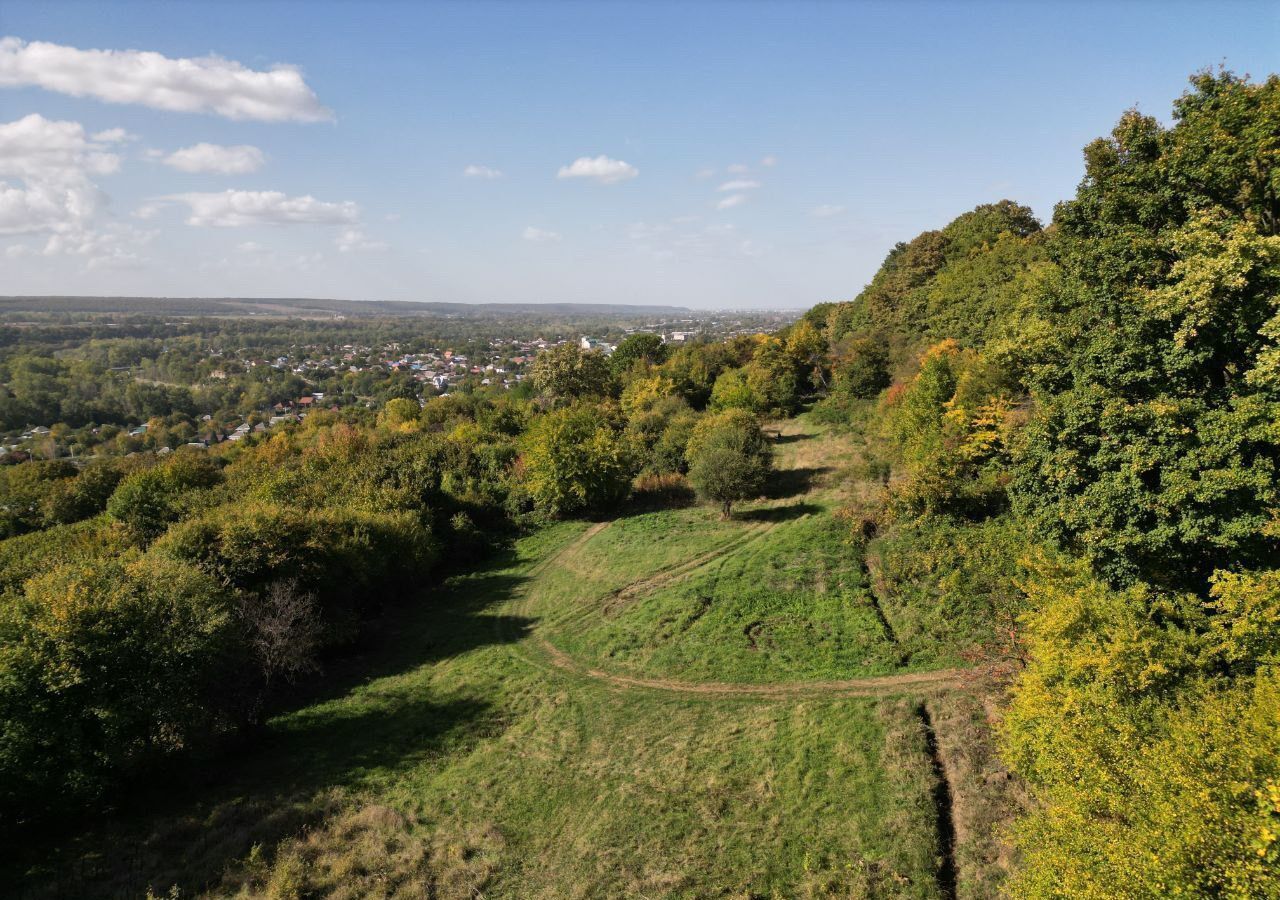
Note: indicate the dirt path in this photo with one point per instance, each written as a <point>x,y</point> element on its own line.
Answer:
<point>812,453</point>
<point>867,686</point>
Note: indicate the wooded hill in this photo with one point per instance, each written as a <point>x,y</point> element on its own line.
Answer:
<point>1110,386</point>
<point>1067,454</point>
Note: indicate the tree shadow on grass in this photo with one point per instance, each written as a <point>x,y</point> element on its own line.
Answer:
<point>199,813</point>
<point>778,513</point>
<point>780,438</point>
<point>195,829</point>
<point>435,625</point>
<point>784,483</point>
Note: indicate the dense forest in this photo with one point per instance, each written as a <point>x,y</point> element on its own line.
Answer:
<point>1074,427</point>
<point>1095,406</point>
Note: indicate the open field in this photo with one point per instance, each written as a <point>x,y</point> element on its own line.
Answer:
<point>665,705</point>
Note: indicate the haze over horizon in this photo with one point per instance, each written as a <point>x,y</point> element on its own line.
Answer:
<point>728,156</point>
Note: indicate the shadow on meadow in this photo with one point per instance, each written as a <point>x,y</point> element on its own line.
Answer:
<point>190,824</point>
<point>784,483</point>
<point>793,438</point>
<point>778,513</point>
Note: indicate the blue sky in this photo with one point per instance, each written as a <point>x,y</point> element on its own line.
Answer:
<point>755,154</point>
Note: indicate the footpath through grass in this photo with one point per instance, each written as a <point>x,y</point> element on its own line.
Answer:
<point>456,760</point>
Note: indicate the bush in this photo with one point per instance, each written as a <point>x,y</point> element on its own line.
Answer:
<point>347,558</point>
<point>662,491</point>
<point>106,665</point>
<point>575,461</point>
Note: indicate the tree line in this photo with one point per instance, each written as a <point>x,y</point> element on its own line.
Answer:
<point>1088,416</point>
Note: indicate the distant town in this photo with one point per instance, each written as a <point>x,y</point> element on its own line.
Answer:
<point>221,374</point>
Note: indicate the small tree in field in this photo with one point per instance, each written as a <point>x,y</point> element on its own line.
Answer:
<point>729,458</point>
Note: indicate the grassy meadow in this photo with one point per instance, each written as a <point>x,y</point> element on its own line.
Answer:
<point>455,757</point>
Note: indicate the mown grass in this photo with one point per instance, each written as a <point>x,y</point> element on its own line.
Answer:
<point>452,759</point>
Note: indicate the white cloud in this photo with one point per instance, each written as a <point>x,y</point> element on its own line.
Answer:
<point>769,161</point>
<point>238,160</point>
<point>738,185</point>
<point>738,169</point>
<point>539,235</point>
<point>53,161</point>
<point>601,169</point>
<point>731,201</point>
<point>826,210</point>
<point>704,173</point>
<point>474,171</point>
<point>233,208</point>
<point>207,84</point>
<point>114,247</point>
<point>115,136</point>
<point>354,239</point>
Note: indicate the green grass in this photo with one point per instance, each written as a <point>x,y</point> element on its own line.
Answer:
<point>453,758</point>
<point>790,603</point>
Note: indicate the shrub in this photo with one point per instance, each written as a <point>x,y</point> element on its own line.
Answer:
<point>347,558</point>
<point>103,666</point>
<point>662,491</point>
<point>575,461</point>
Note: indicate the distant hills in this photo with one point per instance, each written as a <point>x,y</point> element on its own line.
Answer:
<point>322,308</point>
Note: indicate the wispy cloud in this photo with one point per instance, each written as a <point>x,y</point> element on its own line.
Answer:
<point>738,169</point>
<point>539,235</point>
<point>115,136</point>
<point>769,161</point>
<point>208,84</point>
<point>601,169</point>
<point>731,201</point>
<point>229,209</point>
<point>475,171</point>
<point>238,160</point>
<point>352,239</point>
<point>738,185</point>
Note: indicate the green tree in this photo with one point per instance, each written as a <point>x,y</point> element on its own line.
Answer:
<point>860,366</point>
<point>733,390</point>
<point>566,373</point>
<point>1154,452</point>
<point>148,502</point>
<point>574,460</point>
<point>105,664</point>
<point>729,458</point>
<point>774,377</point>
<point>644,347</point>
